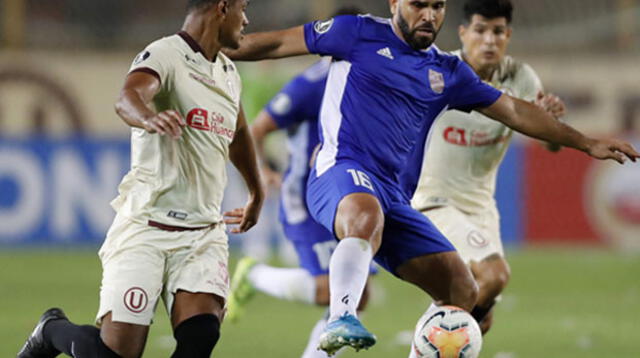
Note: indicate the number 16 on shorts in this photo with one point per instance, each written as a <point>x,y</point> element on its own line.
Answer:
<point>361,179</point>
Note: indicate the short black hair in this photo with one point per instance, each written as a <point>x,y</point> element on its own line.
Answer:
<point>490,9</point>
<point>347,10</point>
<point>197,4</point>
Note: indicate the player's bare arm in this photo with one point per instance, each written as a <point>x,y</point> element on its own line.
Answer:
<point>552,104</point>
<point>270,45</point>
<point>260,128</point>
<point>135,108</point>
<point>533,121</point>
<point>555,107</point>
<point>243,156</point>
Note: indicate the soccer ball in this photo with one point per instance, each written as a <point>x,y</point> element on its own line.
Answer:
<point>447,332</point>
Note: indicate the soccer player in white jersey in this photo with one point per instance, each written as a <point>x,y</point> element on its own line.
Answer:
<point>464,150</point>
<point>182,100</point>
<point>385,88</point>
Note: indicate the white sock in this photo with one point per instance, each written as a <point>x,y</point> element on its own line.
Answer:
<point>293,284</point>
<point>348,272</point>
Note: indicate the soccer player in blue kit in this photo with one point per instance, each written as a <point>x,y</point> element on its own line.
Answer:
<point>386,86</point>
<point>296,109</point>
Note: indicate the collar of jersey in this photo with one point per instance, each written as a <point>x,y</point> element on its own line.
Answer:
<point>193,44</point>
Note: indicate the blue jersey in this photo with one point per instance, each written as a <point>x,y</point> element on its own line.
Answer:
<point>296,109</point>
<point>382,96</point>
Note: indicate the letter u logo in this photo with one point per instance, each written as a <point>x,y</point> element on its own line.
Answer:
<point>136,299</point>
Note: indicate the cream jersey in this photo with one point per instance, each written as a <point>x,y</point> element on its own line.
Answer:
<point>464,150</point>
<point>181,182</point>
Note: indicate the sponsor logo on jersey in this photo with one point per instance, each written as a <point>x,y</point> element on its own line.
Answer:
<point>322,27</point>
<point>202,79</point>
<point>142,56</point>
<point>385,52</point>
<point>203,120</point>
<point>136,299</point>
<point>436,79</point>
<point>461,137</point>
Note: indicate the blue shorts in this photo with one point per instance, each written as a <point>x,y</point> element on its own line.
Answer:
<point>407,233</point>
<point>314,245</point>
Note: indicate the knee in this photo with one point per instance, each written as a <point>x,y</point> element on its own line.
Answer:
<point>116,339</point>
<point>360,215</point>
<point>197,336</point>
<point>493,277</point>
<point>502,277</point>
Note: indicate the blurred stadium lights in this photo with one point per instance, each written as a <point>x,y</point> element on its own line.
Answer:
<point>542,25</point>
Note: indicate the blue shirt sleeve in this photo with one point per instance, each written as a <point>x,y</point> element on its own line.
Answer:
<point>289,105</point>
<point>469,92</point>
<point>334,37</point>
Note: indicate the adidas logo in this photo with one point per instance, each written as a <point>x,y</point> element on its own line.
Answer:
<point>386,53</point>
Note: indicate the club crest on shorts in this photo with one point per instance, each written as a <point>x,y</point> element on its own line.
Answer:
<point>476,239</point>
<point>322,27</point>
<point>436,80</point>
<point>136,299</point>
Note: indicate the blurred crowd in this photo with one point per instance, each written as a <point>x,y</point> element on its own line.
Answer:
<point>543,25</point>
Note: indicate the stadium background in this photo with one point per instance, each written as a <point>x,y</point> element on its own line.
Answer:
<point>572,224</point>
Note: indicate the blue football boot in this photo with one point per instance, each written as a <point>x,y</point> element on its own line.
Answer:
<point>345,331</point>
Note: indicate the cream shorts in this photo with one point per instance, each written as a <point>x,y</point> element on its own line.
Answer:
<point>475,236</point>
<point>140,263</point>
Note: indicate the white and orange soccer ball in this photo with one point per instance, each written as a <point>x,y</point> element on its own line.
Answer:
<point>447,332</point>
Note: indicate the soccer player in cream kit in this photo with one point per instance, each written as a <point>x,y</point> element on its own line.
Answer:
<point>385,88</point>
<point>182,100</point>
<point>464,150</point>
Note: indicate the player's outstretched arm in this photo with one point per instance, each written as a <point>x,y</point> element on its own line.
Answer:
<point>533,121</point>
<point>270,45</point>
<point>556,107</point>
<point>134,106</point>
<point>260,128</point>
<point>243,156</point>
<point>552,104</point>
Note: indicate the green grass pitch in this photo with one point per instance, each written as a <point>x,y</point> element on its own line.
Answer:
<point>560,303</point>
